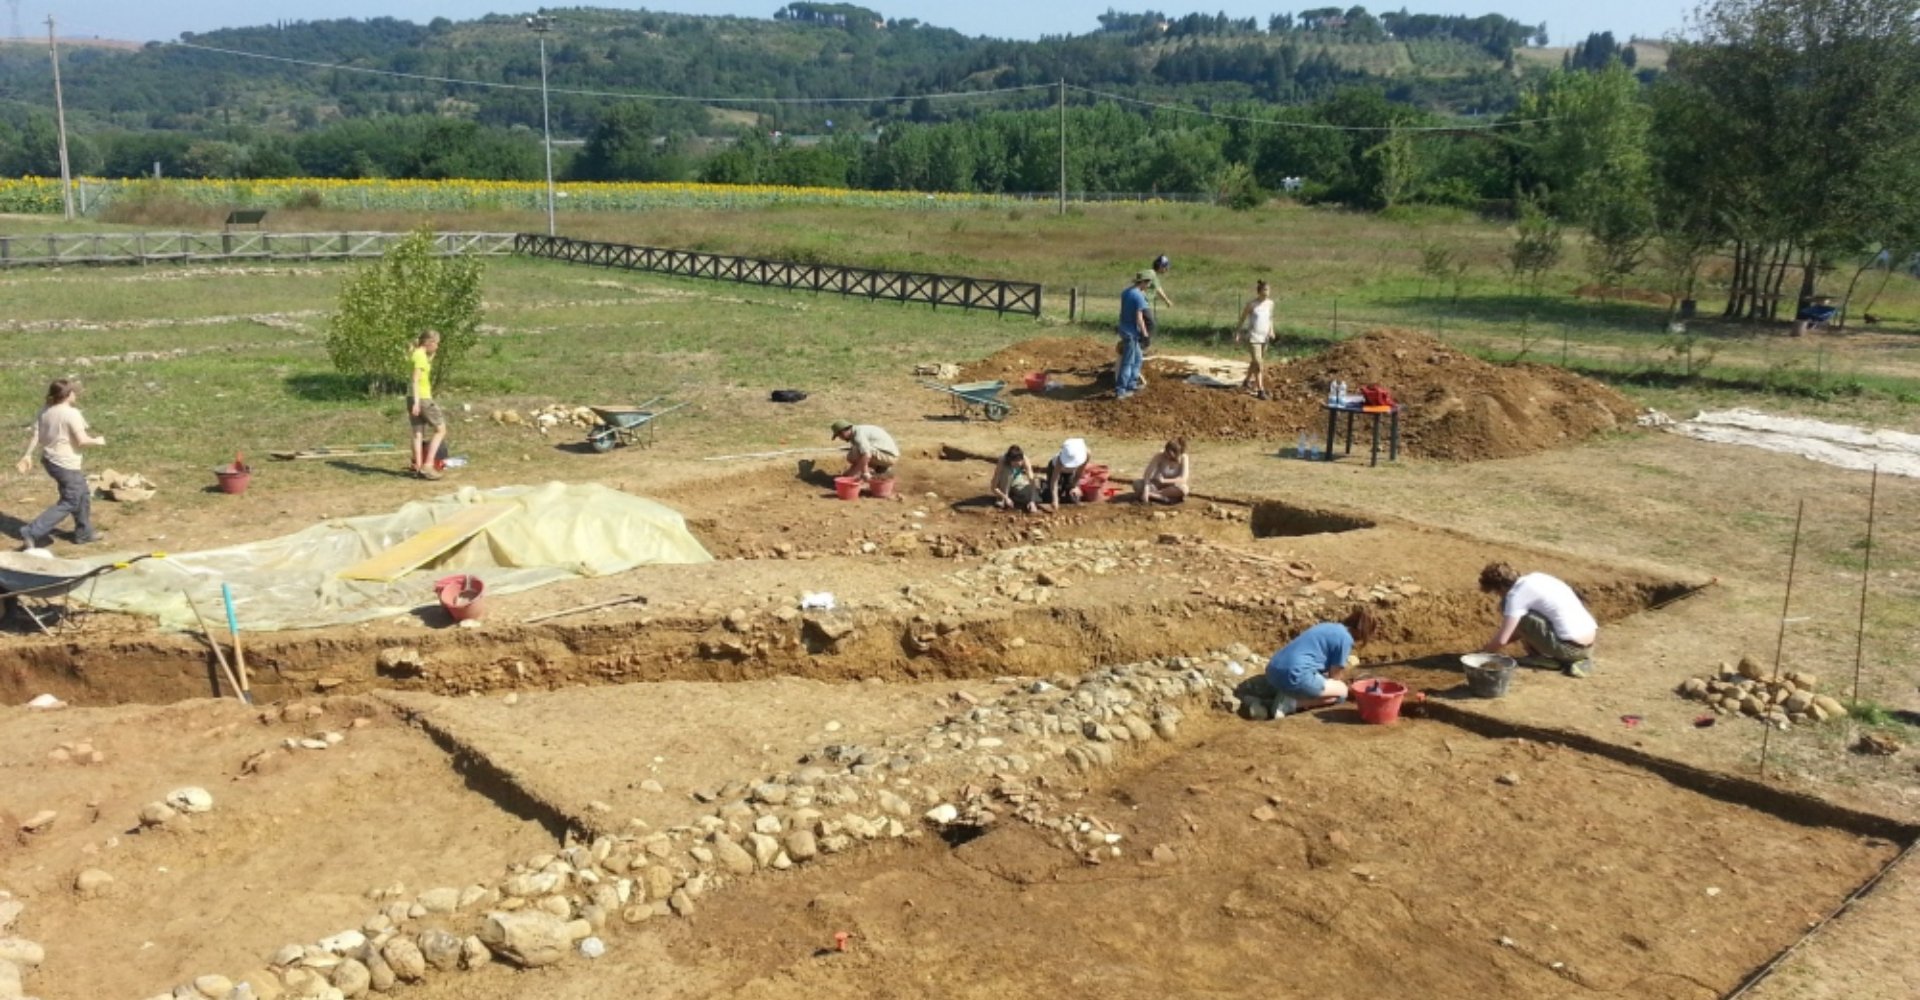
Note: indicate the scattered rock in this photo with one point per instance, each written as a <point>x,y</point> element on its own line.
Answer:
<point>351,978</point>
<point>92,883</point>
<point>22,952</point>
<point>404,957</point>
<point>1508,778</point>
<point>944,813</point>
<point>157,814</point>
<point>529,939</point>
<point>441,950</point>
<point>1876,745</point>
<point>190,799</point>
<point>39,822</point>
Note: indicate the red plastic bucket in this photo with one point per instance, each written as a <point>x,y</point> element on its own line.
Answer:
<point>1036,381</point>
<point>880,488</point>
<point>848,487</point>
<point>1379,700</point>
<point>461,595</point>
<point>233,478</point>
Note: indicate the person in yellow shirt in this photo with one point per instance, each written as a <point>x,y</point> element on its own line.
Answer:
<point>429,423</point>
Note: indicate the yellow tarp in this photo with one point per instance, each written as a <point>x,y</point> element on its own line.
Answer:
<point>558,531</point>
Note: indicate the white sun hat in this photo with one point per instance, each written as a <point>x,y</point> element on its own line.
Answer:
<point>1073,453</point>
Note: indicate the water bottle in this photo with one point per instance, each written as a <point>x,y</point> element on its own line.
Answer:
<point>1300,450</point>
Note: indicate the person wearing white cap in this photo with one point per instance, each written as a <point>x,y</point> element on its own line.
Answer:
<point>1063,473</point>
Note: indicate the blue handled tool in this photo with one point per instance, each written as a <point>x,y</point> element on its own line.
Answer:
<point>239,654</point>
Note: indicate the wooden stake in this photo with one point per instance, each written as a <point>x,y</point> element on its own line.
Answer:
<point>218,653</point>
<point>1780,645</point>
<point>1866,568</point>
<point>582,609</point>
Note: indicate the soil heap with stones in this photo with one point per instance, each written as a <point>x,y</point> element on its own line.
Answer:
<point>1455,407</point>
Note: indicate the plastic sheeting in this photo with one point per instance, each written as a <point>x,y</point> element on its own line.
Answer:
<point>560,531</point>
<point>1849,447</point>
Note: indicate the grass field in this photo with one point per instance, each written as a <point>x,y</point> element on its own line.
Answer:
<point>248,367</point>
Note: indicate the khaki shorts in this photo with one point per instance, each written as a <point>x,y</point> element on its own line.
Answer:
<point>430,417</point>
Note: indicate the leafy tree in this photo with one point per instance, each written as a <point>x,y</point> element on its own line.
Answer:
<point>1794,127</point>
<point>387,303</point>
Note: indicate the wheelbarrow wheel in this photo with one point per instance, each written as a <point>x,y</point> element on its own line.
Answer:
<point>997,412</point>
<point>603,439</point>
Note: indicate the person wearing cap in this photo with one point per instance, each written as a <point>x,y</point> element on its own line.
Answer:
<point>1135,314</point>
<point>870,449</point>
<point>1063,473</point>
<point>1161,265</point>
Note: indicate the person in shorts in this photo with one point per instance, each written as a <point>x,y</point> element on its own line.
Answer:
<point>1544,614</point>
<point>1013,486</point>
<point>1305,673</point>
<point>870,450</point>
<point>1256,328</point>
<point>423,411</point>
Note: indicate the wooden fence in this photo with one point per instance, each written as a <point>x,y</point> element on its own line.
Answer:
<point>145,248</point>
<point>936,290</point>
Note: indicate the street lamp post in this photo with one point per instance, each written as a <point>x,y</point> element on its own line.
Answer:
<point>541,24</point>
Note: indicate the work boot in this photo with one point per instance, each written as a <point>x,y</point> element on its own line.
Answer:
<point>1284,706</point>
<point>1580,668</point>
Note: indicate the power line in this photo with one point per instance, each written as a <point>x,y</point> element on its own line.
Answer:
<point>1321,126</point>
<point>494,85</point>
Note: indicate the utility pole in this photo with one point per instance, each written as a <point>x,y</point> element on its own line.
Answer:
<point>1063,146</point>
<point>60,118</point>
<point>541,24</point>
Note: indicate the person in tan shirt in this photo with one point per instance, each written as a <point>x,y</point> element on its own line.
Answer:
<point>59,433</point>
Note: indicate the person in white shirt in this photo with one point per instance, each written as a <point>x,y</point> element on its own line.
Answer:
<point>1543,613</point>
<point>58,434</point>
<point>1256,328</point>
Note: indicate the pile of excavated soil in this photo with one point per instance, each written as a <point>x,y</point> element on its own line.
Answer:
<point>1456,407</point>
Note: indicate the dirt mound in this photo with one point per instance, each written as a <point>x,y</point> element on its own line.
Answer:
<point>1457,408</point>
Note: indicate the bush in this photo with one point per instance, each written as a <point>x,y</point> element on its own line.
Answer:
<point>1236,188</point>
<point>390,301</point>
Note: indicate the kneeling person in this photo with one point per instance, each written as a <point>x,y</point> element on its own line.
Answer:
<point>870,450</point>
<point>1305,673</point>
<point>1543,613</point>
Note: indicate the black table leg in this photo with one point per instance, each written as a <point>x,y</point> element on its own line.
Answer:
<point>1333,423</point>
<point>1374,459</point>
<point>1393,445</point>
<point>1349,432</point>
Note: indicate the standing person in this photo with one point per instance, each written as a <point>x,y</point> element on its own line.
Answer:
<point>1304,674</point>
<point>1013,486</point>
<point>1544,614</point>
<point>1064,472</point>
<point>60,432</point>
<point>424,413</point>
<point>1161,265</point>
<point>1134,317</point>
<point>1165,478</point>
<point>870,449</point>
<point>1256,325</point>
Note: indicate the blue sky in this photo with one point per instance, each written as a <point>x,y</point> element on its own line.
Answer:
<point>144,20</point>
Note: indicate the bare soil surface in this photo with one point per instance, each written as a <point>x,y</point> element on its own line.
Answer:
<point>1456,407</point>
<point>288,852</point>
<point>654,746</point>
<point>1305,858</point>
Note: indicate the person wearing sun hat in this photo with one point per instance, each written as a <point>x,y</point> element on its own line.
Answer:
<point>1063,474</point>
<point>870,449</point>
<point>1134,317</point>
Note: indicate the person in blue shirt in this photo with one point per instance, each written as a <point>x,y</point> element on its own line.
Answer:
<point>1305,673</point>
<point>1133,335</point>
